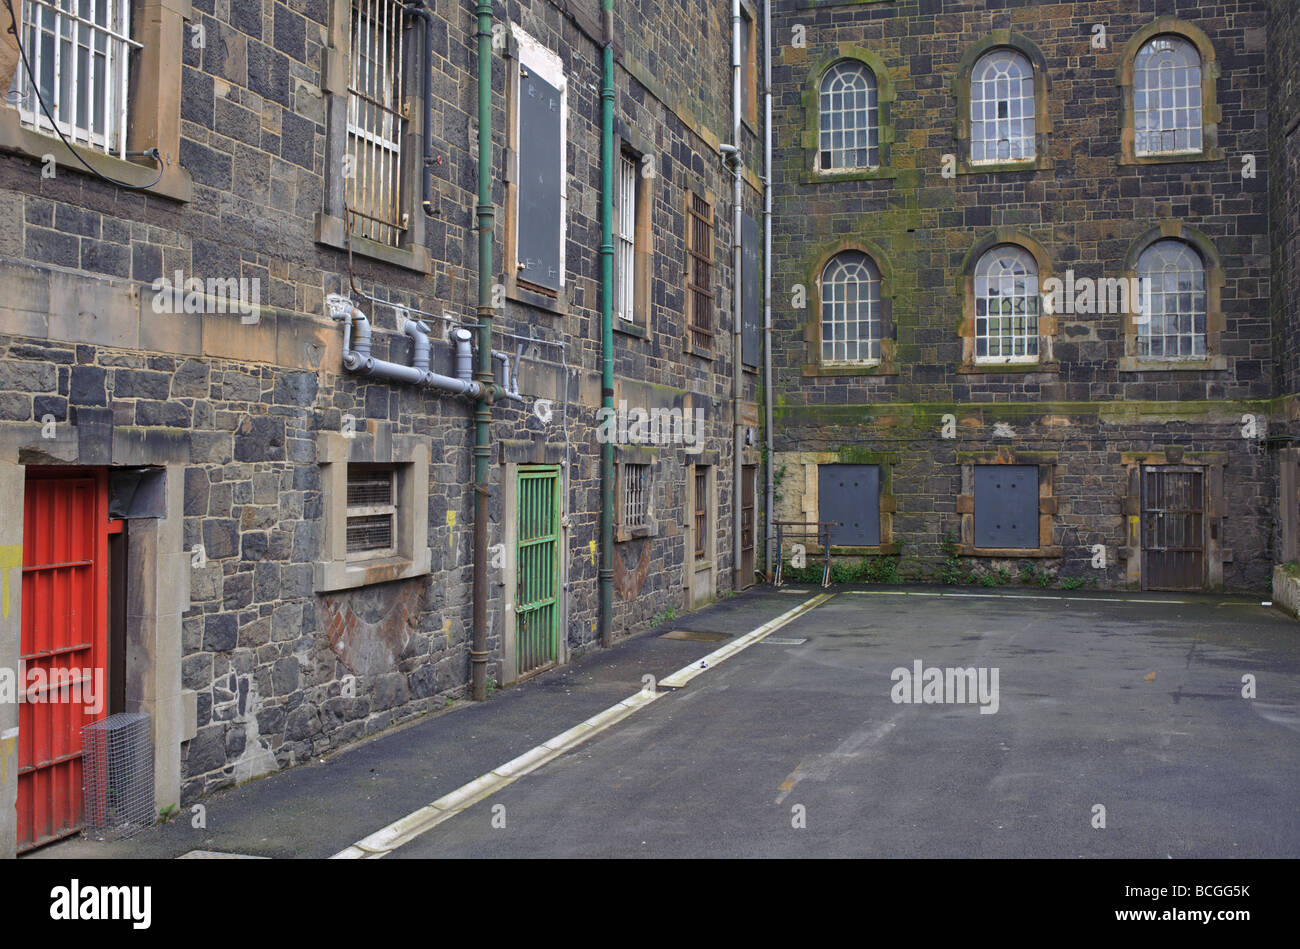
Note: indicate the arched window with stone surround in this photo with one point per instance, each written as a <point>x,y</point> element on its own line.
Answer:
<point>848,118</point>
<point>851,317</point>
<point>1006,305</point>
<point>1167,107</point>
<point>1175,326</point>
<point>1002,116</point>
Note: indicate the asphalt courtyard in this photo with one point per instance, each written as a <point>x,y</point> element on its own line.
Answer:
<point>1112,726</point>
<point>1135,706</point>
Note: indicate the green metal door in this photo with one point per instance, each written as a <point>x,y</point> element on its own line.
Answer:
<point>537,596</point>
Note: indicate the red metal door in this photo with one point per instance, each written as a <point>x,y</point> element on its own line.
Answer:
<point>64,644</point>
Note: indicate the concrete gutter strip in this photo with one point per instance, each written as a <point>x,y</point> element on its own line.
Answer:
<point>402,831</point>
<point>687,673</point>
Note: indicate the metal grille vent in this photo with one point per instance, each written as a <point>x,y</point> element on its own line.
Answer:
<point>117,775</point>
<point>370,488</point>
<point>636,501</point>
<point>371,532</point>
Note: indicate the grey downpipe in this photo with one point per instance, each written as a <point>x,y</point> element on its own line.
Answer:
<point>357,358</point>
<point>738,435</point>
<point>416,8</point>
<point>769,528</point>
<point>511,382</point>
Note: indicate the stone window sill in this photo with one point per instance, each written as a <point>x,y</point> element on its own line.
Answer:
<point>630,328</point>
<point>1041,163</point>
<point>334,575</point>
<point>15,137</point>
<point>986,368</point>
<point>877,369</point>
<point>855,174</point>
<point>1173,158</point>
<point>1140,364</point>
<point>331,232</point>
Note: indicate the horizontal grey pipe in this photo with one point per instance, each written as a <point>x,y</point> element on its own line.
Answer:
<point>360,361</point>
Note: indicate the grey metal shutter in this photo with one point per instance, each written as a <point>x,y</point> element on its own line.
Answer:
<point>1006,506</point>
<point>541,181</point>
<point>850,494</point>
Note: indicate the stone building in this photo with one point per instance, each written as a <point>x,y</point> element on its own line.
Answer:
<point>266,541</point>
<point>1029,306</point>
<point>968,195</point>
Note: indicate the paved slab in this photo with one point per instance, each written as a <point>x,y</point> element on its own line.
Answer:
<point>1132,703</point>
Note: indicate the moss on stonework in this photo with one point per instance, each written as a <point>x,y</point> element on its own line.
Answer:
<point>926,414</point>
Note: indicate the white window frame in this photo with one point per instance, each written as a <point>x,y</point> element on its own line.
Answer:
<point>108,28</point>
<point>831,105</point>
<point>625,227</point>
<point>549,67</point>
<point>838,297</point>
<point>376,122</point>
<point>1159,78</point>
<point>1190,306</point>
<point>1000,288</point>
<point>1002,80</point>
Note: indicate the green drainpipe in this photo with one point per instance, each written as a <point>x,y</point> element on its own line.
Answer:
<point>483,408</point>
<point>606,615</point>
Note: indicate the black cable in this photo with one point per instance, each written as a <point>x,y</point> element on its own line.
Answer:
<point>36,88</point>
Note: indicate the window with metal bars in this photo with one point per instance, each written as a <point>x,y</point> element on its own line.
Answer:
<point>699,269</point>
<point>701,511</point>
<point>80,52</point>
<point>636,495</point>
<point>625,240</point>
<point>371,512</point>
<point>377,117</point>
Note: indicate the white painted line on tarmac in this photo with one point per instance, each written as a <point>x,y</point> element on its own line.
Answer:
<point>403,830</point>
<point>687,673</point>
<point>1019,596</point>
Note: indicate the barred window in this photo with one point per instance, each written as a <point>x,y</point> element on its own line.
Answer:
<point>850,293</point>
<point>636,495</point>
<point>625,240</point>
<point>699,267</point>
<point>1002,123</point>
<point>1006,305</point>
<point>371,510</point>
<point>79,51</point>
<point>376,122</point>
<point>1167,116</point>
<point>848,118</point>
<point>1175,326</point>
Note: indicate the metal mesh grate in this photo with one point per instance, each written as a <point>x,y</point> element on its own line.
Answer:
<point>370,532</point>
<point>370,487</point>
<point>117,775</point>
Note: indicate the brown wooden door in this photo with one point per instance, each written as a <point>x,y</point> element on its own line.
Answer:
<point>1173,528</point>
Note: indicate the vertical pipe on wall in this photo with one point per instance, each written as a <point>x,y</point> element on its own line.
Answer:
<point>769,530</point>
<point>482,409</point>
<point>606,604</point>
<point>737,384</point>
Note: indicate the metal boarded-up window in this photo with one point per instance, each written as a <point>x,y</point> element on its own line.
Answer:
<point>849,495</point>
<point>1006,506</point>
<point>541,181</point>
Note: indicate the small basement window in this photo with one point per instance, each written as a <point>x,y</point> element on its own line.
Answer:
<point>371,513</point>
<point>1006,506</point>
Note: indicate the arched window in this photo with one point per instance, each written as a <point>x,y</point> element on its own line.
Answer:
<point>1167,113</point>
<point>1006,305</point>
<point>1174,325</point>
<point>848,118</point>
<point>851,312</point>
<point>1002,108</point>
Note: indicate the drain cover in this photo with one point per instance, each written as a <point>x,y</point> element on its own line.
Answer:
<point>779,641</point>
<point>694,637</point>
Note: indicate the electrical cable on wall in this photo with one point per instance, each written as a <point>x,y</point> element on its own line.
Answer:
<point>154,153</point>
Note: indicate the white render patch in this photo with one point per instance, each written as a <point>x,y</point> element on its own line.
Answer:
<point>782,641</point>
